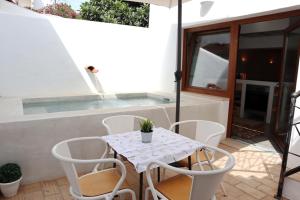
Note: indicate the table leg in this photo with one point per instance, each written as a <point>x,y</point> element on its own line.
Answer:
<point>270,105</point>
<point>115,156</point>
<point>158,174</point>
<point>141,186</point>
<point>190,162</point>
<point>243,99</point>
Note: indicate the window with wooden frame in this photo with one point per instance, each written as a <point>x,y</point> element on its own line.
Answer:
<point>233,27</point>
<point>206,60</point>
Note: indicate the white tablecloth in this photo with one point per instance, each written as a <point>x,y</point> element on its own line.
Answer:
<point>166,146</point>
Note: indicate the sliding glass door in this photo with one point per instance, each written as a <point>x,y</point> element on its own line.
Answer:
<point>288,77</point>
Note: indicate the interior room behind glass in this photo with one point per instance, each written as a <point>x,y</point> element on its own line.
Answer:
<point>265,77</point>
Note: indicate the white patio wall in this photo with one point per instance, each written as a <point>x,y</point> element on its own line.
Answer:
<point>46,56</point>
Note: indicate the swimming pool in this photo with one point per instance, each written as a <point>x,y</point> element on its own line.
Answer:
<point>64,104</point>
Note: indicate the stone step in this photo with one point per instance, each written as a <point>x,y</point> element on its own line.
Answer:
<point>291,187</point>
<point>295,177</point>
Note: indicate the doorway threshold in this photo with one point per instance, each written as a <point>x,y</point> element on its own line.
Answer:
<point>262,143</point>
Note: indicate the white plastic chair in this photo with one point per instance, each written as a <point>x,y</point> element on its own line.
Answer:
<point>207,132</point>
<point>188,184</point>
<point>121,123</point>
<point>104,184</point>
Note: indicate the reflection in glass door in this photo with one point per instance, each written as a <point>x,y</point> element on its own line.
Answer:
<point>288,79</point>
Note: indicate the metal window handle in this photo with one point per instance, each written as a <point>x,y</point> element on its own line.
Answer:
<point>178,75</point>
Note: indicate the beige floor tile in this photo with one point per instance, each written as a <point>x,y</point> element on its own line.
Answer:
<point>249,181</point>
<point>49,188</point>
<point>246,197</point>
<point>234,143</point>
<point>251,191</point>
<point>62,181</point>
<point>64,191</point>
<point>220,197</point>
<point>38,195</point>
<point>266,189</point>
<point>31,187</point>
<point>231,179</point>
<point>232,191</point>
<point>54,197</point>
<point>270,198</point>
<point>268,182</point>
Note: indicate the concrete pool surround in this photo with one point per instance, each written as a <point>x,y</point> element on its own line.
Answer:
<point>33,136</point>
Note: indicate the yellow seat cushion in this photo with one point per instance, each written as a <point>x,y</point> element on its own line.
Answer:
<point>185,162</point>
<point>99,183</point>
<point>175,188</point>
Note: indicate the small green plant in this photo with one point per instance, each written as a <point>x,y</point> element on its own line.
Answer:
<point>146,126</point>
<point>10,172</point>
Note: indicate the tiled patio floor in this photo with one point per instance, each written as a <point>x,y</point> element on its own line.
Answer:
<point>254,177</point>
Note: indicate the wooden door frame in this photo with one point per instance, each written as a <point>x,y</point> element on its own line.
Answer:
<point>234,26</point>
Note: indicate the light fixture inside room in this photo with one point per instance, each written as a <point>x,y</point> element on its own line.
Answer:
<point>205,7</point>
<point>271,61</point>
<point>244,58</point>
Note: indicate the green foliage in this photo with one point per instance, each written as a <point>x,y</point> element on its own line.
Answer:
<point>146,126</point>
<point>116,11</point>
<point>10,172</point>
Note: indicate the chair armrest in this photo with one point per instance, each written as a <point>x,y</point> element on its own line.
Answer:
<point>106,151</point>
<point>181,122</point>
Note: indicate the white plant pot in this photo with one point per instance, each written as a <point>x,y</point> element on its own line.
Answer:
<point>146,137</point>
<point>10,189</point>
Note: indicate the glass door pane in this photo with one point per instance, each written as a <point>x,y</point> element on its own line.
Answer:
<point>288,78</point>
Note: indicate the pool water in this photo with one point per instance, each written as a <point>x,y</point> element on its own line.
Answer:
<point>90,104</point>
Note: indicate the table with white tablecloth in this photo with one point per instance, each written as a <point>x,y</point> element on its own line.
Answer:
<point>166,146</point>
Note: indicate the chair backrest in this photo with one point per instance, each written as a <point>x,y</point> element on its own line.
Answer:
<point>207,132</point>
<point>121,123</point>
<point>204,183</point>
<point>62,152</point>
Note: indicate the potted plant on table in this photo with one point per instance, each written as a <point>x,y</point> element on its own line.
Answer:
<point>10,177</point>
<point>146,130</point>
